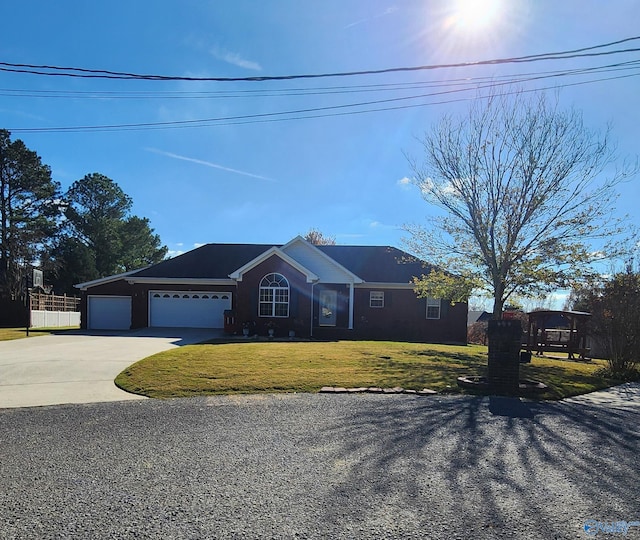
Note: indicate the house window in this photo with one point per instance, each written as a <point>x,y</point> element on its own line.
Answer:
<point>433,308</point>
<point>274,296</point>
<point>376,299</point>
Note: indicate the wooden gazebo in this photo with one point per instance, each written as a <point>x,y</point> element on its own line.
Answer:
<point>558,331</point>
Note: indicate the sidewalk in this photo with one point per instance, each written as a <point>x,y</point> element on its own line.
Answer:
<point>623,396</point>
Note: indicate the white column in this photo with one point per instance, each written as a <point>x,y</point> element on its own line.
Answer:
<point>350,285</point>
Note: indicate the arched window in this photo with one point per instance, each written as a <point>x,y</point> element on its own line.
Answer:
<point>274,296</point>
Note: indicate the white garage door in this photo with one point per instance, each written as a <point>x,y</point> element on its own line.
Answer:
<point>188,309</point>
<point>109,312</point>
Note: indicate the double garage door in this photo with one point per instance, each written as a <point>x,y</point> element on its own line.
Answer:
<point>188,309</point>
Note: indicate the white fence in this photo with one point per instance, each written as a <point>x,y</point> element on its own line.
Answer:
<point>52,311</point>
<point>54,319</point>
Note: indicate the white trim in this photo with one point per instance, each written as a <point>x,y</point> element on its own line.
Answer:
<point>351,305</point>
<point>379,299</point>
<point>84,286</point>
<point>354,277</point>
<point>181,281</point>
<point>312,310</point>
<point>383,285</point>
<point>237,275</point>
<point>273,302</point>
<point>433,300</point>
<point>190,293</point>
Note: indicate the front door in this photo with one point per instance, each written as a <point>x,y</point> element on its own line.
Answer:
<point>328,308</point>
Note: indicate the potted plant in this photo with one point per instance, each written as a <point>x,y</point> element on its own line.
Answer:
<point>271,328</point>
<point>296,326</point>
<point>247,326</point>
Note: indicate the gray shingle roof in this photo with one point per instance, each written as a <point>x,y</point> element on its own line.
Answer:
<point>208,261</point>
<point>377,263</point>
<point>216,261</point>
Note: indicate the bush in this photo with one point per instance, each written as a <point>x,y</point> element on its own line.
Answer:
<point>629,375</point>
<point>615,322</point>
<point>477,333</point>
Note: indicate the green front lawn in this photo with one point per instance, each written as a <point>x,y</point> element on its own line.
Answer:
<point>253,367</point>
<point>7,334</point>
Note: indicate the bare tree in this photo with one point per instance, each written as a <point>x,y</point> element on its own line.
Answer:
<point>317,238</point>
<point>525,188</point>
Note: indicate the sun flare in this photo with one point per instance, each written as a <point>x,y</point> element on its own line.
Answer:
<point>475,15</point>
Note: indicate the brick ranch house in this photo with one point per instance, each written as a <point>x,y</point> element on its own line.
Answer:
<point>328,292</point>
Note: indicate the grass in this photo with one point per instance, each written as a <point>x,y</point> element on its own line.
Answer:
<point>7,334</point>
<point>254,367</point>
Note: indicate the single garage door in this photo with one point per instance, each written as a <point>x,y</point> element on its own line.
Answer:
<point>173,309</point>
<point>109,312</point>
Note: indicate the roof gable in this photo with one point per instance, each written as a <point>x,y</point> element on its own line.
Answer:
<point>327,269</point>
<point>237,274</point>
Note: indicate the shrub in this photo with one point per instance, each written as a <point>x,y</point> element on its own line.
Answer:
<point>615,322</point>
<point>477,333</point>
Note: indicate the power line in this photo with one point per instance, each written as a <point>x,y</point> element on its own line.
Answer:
<point>312,91</point>
<point>58,71</point>
<point>308,113</point>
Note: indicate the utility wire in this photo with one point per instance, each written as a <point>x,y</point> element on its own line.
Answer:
<point>313,91</point>
<point>59,71</point>
<point>313,112</point>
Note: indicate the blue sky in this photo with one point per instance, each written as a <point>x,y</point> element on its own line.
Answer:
<point>266,182</point>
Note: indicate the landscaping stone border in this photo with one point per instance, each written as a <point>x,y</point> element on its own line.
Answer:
<point>375,390</point>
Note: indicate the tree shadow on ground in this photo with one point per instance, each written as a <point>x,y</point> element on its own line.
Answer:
<point>499,466</point>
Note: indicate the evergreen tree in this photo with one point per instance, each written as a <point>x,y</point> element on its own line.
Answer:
<point>29,212</point>
<point>102,237</point>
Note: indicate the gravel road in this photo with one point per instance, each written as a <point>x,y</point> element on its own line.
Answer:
<point>318,466</point>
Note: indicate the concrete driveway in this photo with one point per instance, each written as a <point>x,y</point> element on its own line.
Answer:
<point>79,367</point>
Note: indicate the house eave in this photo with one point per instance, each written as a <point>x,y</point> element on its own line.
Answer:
<point>101,281</point>
<point>384,285</point>
<point>181,281</point>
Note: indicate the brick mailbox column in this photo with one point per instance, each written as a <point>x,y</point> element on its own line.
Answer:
<point>504,356</point>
